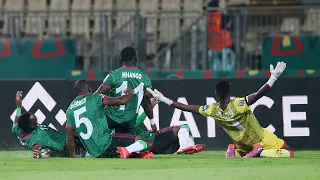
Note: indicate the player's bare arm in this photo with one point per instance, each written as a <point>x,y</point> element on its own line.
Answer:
<point>19,105</point>
<point>113,101</point>
<point>148,109</point>
<point>158,95</point>
<point>70,142</point>
<point>275,74</point>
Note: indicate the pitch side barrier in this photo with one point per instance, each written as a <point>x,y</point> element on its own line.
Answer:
<point>290,110</point>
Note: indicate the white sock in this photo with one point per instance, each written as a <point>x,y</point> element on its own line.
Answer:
<point>183,135</point>
<point>190,142</point>
<point>137,146</point>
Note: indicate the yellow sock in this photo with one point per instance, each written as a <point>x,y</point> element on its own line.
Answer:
<point>276,153</point>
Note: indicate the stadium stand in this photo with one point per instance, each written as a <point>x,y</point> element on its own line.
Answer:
<point>165,19</point>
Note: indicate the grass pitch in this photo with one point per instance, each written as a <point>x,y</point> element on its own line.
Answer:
<point>206,165</point>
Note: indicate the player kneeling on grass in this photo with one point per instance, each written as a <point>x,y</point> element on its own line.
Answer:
<point>236,118</point>
<point>87,119</point>
<point>174,139</point>
<point>42,140</point>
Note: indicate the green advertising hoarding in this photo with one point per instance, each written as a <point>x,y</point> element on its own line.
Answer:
<point>299,52</point>
<point>37,58</point>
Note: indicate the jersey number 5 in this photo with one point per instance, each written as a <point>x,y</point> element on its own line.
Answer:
<point>83,120</point>
<point>138,90</point>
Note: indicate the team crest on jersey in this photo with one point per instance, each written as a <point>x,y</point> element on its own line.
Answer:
<point>205,107</point>
<point>241,103</point>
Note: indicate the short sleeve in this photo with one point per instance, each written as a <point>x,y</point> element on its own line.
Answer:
<point>147,84</point>
<point>206,110</point>
<point>240,104</point>
<point>100,98</point>
<point>108,81</point>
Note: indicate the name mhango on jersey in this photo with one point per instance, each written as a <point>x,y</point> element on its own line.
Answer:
<point>131,75</point>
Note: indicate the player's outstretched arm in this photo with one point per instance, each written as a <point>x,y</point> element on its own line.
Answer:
<point>19,106</point>
<point>158,95</point>
<point>275,74</point>
<point>113,101</point>
<point>70,142</point>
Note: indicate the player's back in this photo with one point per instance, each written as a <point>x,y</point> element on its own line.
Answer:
<point>87,117</point>
<point>119,80</point>
<point>237,120</point>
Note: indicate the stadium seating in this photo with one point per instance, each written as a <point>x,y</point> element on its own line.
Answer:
<point>58,21</point>
<point>14,20</point>
<point>169,22</point>
<point>35,23</point>
<point>290,26</point>
<point>80,21</point>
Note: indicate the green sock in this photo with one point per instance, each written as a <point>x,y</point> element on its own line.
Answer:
<point>140,119</point>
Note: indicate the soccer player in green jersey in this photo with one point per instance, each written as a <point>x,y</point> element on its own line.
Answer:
<point>122,118</point>
<point>87,119</point>
<point>42,140</point>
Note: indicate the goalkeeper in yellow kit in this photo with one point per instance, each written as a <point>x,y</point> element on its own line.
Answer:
<point>236,118</point>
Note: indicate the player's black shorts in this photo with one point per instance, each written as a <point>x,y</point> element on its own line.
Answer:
<point>122,140</point>
<point>126,127</point>
<point>165,142</point>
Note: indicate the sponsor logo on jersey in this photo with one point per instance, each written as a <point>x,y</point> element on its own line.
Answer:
<point>38,92</point>
<point>241,103</point>
<point>205,107</point>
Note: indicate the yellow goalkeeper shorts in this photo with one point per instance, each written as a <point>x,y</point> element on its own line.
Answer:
<point>270,141</point>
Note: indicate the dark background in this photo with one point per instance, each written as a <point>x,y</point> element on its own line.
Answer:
<point>195,91</point>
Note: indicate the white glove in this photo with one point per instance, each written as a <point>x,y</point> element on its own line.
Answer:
<point>158,95</point>
<point>276,72</point>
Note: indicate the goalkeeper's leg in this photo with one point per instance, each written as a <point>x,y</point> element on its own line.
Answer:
<point>271,146</point>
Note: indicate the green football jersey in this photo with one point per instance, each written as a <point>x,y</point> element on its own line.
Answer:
<point>118,81</point>
<point>87,117</point>
<point>43,135</point>
<point>18,133</point>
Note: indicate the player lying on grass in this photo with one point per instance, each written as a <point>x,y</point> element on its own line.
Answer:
<point>236,118</point>
<point>123,118</point>
<point>174,139</point>
<point>42,140</point>
<point>86,118</point>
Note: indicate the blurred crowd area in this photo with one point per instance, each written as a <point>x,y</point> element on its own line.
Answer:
<point>222,35</point>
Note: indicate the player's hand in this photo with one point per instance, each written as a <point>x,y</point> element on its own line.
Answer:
<point>37,152</point>
<point>158,95</point>
<point>153,128</point>
<point>129,91</point>
<point>154,102</point>
<point>276,72</point>
<point>19,99</point>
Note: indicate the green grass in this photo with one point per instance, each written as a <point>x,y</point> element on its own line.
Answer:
<point>207,165</point>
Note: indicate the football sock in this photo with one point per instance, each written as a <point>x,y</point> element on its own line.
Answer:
<point>276,153</point>
<point>191,141</point>
<point>140,119</point>
<point>137,146</point>
<point>183,135</point>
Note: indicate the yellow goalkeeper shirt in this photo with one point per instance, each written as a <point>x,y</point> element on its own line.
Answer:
<point>237,120</point>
